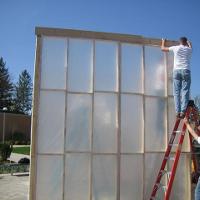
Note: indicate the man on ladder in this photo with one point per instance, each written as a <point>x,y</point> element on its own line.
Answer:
<point>181,74</point>
<point>183,107</point>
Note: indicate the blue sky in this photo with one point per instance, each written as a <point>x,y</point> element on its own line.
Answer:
<point>151,18</point>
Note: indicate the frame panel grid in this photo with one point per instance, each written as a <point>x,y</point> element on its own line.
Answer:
<point>110,115</point>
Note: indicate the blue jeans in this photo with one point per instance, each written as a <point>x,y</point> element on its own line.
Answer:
<point>197,190</point>
<point>181,89</point>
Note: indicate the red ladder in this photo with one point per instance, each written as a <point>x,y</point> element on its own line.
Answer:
<point>175,159</point>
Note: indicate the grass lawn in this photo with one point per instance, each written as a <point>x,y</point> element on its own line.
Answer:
<point>22,150</point>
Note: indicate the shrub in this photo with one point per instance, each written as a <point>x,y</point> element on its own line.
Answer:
<point>28,142</point>
<point>5,151</point>
<point>9,142</point>
<point>17,136</point>
<point>23,142</point>
<point>17,142</point>
<point>24,161</point>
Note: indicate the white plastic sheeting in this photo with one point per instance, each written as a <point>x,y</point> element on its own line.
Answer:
<point>104,113</point>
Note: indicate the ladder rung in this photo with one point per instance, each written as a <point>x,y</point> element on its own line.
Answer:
<point>165,172</point>
<point>175,132</point>
<point>169,158</point>
<point>174,144</point>
<point>159,185</point>
<point>154,198</point>
<point>168,175</point>
<point>164,187</point>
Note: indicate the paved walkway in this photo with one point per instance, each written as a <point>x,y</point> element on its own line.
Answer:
<point>14,187</point>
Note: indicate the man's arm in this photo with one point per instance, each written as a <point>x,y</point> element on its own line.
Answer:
<point>163,47</point>
<point>190,129</point>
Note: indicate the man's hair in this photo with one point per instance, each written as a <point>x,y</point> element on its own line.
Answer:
<point>183,40</point>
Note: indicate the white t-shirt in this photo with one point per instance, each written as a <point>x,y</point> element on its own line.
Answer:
<point>182,56</point>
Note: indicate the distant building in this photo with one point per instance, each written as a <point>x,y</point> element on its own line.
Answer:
<point>11,123</point>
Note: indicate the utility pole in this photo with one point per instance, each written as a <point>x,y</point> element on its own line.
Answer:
<point>4,123</point>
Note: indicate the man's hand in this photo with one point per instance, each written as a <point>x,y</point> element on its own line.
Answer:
<point>189,44</point>
<point>163,48</point>
<point>186,121</point>
<point>163,42</point>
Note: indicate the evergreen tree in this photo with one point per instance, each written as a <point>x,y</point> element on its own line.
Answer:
<point>23,93</point>
<point>6,86</point>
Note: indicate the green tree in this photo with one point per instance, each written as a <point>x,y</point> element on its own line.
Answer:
<point>6,86</point>
<point>23,93</point>
<point>5,151</point>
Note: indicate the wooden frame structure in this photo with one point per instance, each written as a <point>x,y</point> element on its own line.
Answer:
<point>55,32</point>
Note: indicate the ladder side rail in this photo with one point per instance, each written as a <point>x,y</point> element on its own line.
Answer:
<point>159,176</point>
<point>175,164</point>
<point>177,156</point>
